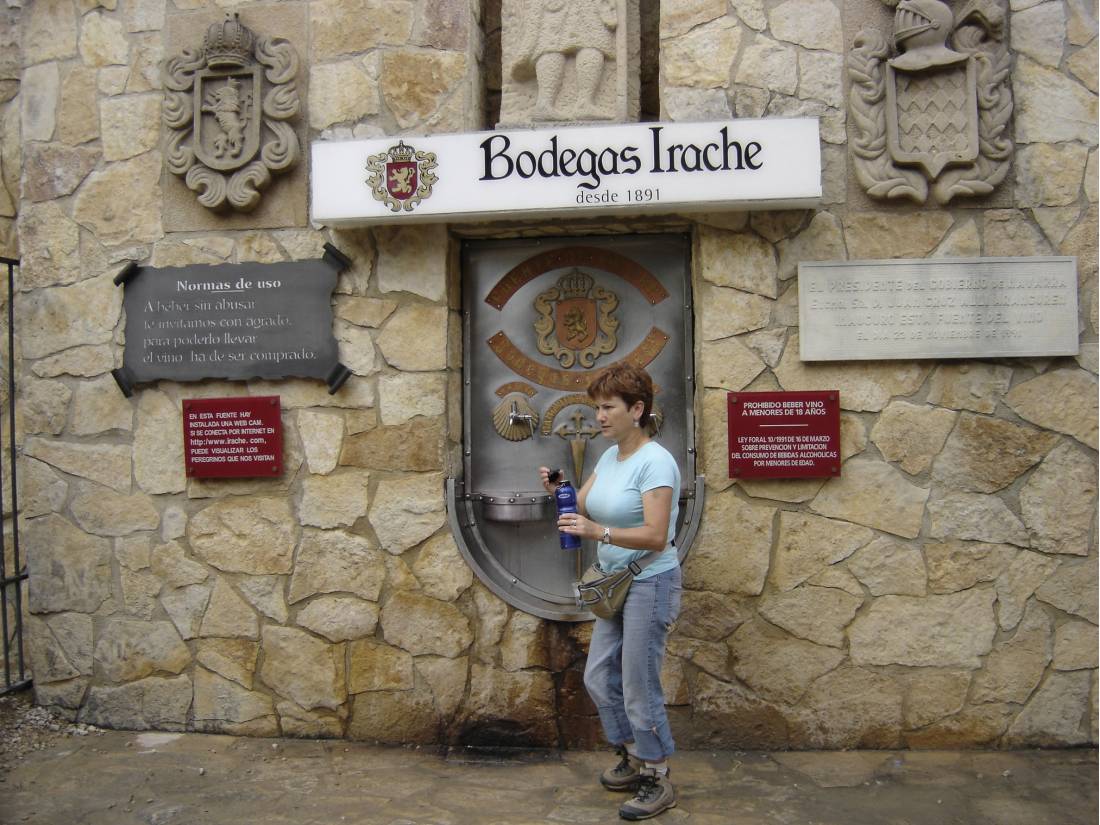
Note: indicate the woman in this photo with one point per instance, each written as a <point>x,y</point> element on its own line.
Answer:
<point>629,505</point>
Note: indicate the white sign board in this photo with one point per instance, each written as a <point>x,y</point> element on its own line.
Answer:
<point>624,169</point>
<point>943,308</point>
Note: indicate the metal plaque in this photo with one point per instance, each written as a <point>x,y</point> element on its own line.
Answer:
<point>542,318</point>
<point>950,308</point>
<point>784,434</point>
<point>232,321</point>
<point>233,437</point>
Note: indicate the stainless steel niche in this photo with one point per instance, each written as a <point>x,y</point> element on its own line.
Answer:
<point>540,319</point>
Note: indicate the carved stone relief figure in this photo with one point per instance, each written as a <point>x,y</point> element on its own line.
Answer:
<point>227,105</point>
<point>929,116</point>
<point>569,60</point>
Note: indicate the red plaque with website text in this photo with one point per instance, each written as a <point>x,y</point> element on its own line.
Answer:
<point>233,437</point>
<point>784,434</point>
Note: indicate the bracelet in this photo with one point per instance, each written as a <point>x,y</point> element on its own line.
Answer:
<point>606,539</point>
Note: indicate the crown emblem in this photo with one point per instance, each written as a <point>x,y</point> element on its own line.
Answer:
<point>575,285</point>
<point>228,44</point>
<point>401,153</point>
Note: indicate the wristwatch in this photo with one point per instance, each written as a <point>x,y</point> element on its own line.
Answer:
<point>606,538</point>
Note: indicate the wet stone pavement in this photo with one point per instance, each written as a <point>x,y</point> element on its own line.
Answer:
<point>119,777</point>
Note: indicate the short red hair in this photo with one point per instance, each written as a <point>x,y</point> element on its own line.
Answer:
<point>631,384</point>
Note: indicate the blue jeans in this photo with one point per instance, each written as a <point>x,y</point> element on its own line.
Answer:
<point>623,674</point>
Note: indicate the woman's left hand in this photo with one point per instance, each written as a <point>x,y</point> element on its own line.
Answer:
<point>577,525</point>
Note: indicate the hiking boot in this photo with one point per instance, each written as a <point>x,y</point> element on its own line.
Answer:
<point>654,796</point>
<point>624,776</point>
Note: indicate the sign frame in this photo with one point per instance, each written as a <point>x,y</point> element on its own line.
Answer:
<point>211,429</point>
<point>751,417</point>
<point>633,168</point>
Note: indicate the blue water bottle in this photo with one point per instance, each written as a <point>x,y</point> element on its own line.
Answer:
<point>566,499</point>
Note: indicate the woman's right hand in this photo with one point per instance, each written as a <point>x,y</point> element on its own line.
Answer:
<point>544,475</point>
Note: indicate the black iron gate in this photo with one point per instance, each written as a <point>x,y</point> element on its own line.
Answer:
<point>13,571</point>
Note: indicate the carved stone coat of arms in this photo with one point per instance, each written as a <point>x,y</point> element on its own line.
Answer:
<point>227,106</point>
<point>929,114</point>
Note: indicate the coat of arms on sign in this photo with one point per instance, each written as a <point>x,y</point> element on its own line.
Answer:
<point>227,105</point>
<point>401,177</point>
<point>930,114</point>
<point>575,323</point>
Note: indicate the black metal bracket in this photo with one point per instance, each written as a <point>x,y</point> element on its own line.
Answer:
<point>336,377</point>
<point>128,273</point>
<point>336,259</point>
<point>125,380</point>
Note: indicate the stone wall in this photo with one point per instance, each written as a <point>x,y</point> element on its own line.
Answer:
<point>941,592</point>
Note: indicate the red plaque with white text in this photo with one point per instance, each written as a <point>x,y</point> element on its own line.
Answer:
<point>784,434</point>
<point>233,437</point>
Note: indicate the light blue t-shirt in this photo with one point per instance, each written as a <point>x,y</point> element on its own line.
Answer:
<point>615,500</point>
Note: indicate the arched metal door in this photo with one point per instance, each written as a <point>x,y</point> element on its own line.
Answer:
<point>541,318</point>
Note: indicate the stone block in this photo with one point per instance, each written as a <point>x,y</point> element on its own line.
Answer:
<point>932,695</point>
<point>959,565</point>
<point>102,41</point>
<point>911,434</point>
<point>808,544</point>
<point>813,24</point>
<point>732,551</point>
<point>740,260</point>
<point>935,631</point>
<point>1017,584</point>
<point>441,570</point>
<point>364,312</point>
<point>701,58</point>
<point>984,455</point>
<point>525,698</point>
<point>342,27</point>
<point>970,516</point>
<point>265,593</point>
<point>882,235</point>
<point>849,708</point>
<point>766,64</point>
<point>415,84</point>
<point>402,396</point>
<point>1075,646</point>
<point>414,446</point>
<point>128,650</point>
<point>38,100</point>
<point>107,513</point>
<point>1049,174</point>
<point>374,666</point>
<point>47,32</point>
<point>776,667</point>
<point>332,561</point>
<point>724,312</point>
<point>53,320</point>
<point>709,616</point>
<point>822,240</point>
<point>60,646</point>
<point>228,615</point>
<point>336,500</point>
<point>414,339</point>
<point>817,614</point>
<point>220,700</point>
<point>446,678</point>
<point>69,569</point>
<point>729,364</point>
<point>303,668</point>
<point>1072,588</point>
<point>736,718</point>
<point>171,565</point>
<point>888,567</point>
<point>322,437</point>
<point>1054,715</point>
<point>1014,668</point>
<point>970,385</point>
<point>1051,107</point>
<point>185,606</point>
<point>875,495</point>
<point>99,406</point>
<point>405,511</point>
<point>395,717</point>
<point>413,259</point>
<point>423,625</point>
<point>1058,502</point>
<point>148,704</point>
<point>524,644</point>
<point>41,490</point>
<point>254,535</point>
<point>129,125</point>
<point>52,170</point>
<point>84,362</point>
<point>121,203</point>
<point>43,407</point>
<point>1075,414</point>
<point>339,618</point>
